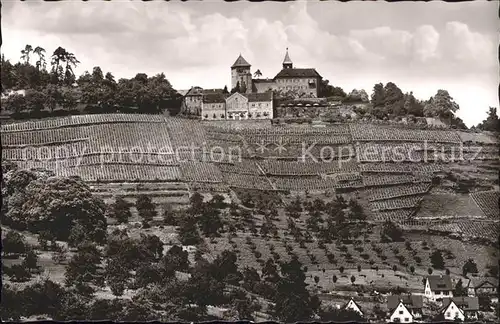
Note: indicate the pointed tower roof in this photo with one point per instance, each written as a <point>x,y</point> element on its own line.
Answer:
<point>240,62</point>
<point>287,59</point>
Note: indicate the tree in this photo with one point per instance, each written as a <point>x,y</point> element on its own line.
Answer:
<point>30,262</point>
<point>19,273</point>
<point>429,271</point>
<point>120,210</point>
<point>26,53</point>
<point>412,269</point>
<point>391,233</point>
<point>316,280</point>
<point>54,204</point>
<point>257,74</point>
<point>459,289</point>
<point>394,268</point>
<point>15,103</point>
<point>188,231</point>
<point>225,91</point>
<point>491,123</point>
<point>169,216</point>
<point>332,314</point>
<point>469,267</point>
<point>13,243</point>
<point>412,106</point>
<point>176,259</point>
<point>40,51</point>
<point>393,99</point>
<point>270,271</point>
<point>237,88</point>
<point>334,278</point>
<point>378,95</point>
<point>146,208</point>
<point>353,279</point>
<point>292,300</point>
<point>437,260</point>
<point>35,100</point>
<point>341,269</point>
<point>441,105</point>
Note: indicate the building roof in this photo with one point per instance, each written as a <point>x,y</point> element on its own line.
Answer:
<point>183,92</point>
<point>264,96</point>
<point>214,98</point>
<point>410,301</point>
<point>354,302</point>
<point>198,91</point>
<point>480,282</point>
<point>240,62</point>
<point>464,303</point>
<point>287,59</point>
<point>440,283</point>
<point>298,73</point>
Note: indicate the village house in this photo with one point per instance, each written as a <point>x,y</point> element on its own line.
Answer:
<point>481,286</point>
<point>404,308</point>
<point>461,308</point>
<point>438,287</point>
<point>352,305</point>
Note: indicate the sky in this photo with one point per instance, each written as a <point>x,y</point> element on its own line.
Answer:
<point>421,47</point>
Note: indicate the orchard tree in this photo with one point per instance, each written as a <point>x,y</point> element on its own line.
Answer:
<point>120,210</point>
<point>469,267</point>
<point>437,260</point>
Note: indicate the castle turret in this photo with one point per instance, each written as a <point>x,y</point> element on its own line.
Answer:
<point>287,62</point>
<point>240,74</point>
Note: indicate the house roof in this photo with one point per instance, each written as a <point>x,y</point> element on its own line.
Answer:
<point>480,282</point>
<point>440,283</point>
<point>214,98</point>
<point>464,303</point>
<point>183,92</point>
<point>263,80</point>
<point>410,301</point>
<point>253,97</point>
<point>298,73</point>
<point>198,91</point>
<point>240,62</point>
<point>352,300</point>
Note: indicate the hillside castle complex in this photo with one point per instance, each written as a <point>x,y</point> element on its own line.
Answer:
<point>250,98</point>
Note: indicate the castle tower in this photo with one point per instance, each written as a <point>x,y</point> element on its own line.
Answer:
<point>240,72</point>
<point>287,62</point>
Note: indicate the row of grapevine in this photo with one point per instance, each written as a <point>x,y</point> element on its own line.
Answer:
<point>488,202</point>
<point>396,203</point>
<point>302,183</point>
<point>243,167</point>
<point>49,152</point>
<point>395,215</point>
<point>200,172</point>
<point>480,229</point>
<point>44,137</point>
<point>400,167</point>
<point>297,138</point>
<point>78,120</point>
<point>300,152</point>
<point>388,179</point>
<point>368,132</point>
<point>131,137</point>
<point>122,172</point>
<point>292,168</point>
<point>247,181</point>
<point>208,187</point>
<point>185,132</point>
<point>397,191</point>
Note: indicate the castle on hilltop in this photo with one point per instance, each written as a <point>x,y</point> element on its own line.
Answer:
<point>251,98</point>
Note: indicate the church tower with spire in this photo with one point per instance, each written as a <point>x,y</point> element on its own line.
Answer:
<point>287,62</point>
<point>240,74</point>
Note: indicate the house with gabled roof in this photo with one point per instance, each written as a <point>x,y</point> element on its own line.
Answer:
<point>462,308</point>
<point>438,287</point>
<point>405,308</point>
<point>481,286</point>
<point>352,305</point>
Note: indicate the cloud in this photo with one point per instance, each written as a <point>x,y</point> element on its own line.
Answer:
<point>196,43</point>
